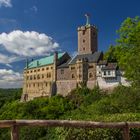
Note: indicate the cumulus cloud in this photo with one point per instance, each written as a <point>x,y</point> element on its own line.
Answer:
<point>5,59</point>
<point>17,45</point>
<point>25,44</point>
<point>5,3</point>
<point>10,79</point>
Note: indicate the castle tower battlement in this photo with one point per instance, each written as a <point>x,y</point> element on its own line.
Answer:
<point>87,38</point>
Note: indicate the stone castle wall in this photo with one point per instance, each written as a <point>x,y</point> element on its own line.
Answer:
<point>65,86</point>
<point>91,84</point>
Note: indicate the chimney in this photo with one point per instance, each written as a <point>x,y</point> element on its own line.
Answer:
<point>55,57</point>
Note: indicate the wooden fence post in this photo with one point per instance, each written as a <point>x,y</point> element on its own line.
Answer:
<point>14,133</point>
<point>126,135</point>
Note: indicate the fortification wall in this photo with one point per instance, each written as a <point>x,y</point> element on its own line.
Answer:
<point>91,84</point>
<point>65,86</point>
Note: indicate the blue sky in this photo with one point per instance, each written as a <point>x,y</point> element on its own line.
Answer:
<point>30,28</point>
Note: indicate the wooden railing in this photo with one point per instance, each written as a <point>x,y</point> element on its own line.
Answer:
<point>16,124</point>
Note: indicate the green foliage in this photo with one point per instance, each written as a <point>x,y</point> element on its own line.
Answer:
<point>81,104</point>
<point>127,50</point>
<point>111,55</point>
<point>88,134</point>
<point>9,95</point>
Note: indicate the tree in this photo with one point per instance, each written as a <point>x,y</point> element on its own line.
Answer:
<point>127,50</point>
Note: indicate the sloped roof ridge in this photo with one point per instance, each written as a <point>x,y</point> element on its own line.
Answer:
<point>44,61</point>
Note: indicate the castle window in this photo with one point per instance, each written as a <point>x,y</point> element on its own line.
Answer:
<point>51,67</point>
<point>90,66</point>
<point>48,75</point>
<point>27,71</point>
<point>31,71</point>
<point>42,69</point>
<point>38,77</point>
<point>34,70</point>
<point>42,76</point>
<point>84,32</point>
<point>83,40</point>
<point>46,84</point>
<point>30,77</point>
<point>104,72</point>
<point>38,69</point>
<point>108,72</point>
<point>72,68</point>
<point>62,71</point>
<point>34,77</point>
<point>73,76</point>
<point>90,75</point>
<point>80,67</point>
<point>84,49</point>
<point>80,75</point>
<point>34,84</point>
<point>47,68</point>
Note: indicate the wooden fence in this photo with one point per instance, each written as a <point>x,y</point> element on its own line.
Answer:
<point>16,124</point>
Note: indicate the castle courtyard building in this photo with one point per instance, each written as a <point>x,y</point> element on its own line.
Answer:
<point>59,73</point>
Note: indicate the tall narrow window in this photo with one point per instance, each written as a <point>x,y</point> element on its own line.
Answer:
<point>83,40</point>
<point>46,84</point>
<point>84,32</point>
<point>73,76</point>
<point>30,77</point>
<point>38,77</point>
<point>90,75</point>
<point>42,76</point>
<point>62,71</point>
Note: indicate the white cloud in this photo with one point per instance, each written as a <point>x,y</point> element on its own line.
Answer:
<point>25,44</point>
<point>5,59</point>
<point>10,79</point>
<point>5,3</point>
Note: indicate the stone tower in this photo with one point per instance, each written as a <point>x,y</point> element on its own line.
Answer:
<point>87,38</point>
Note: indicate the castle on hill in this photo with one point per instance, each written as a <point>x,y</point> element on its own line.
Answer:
<point>59,73</point>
